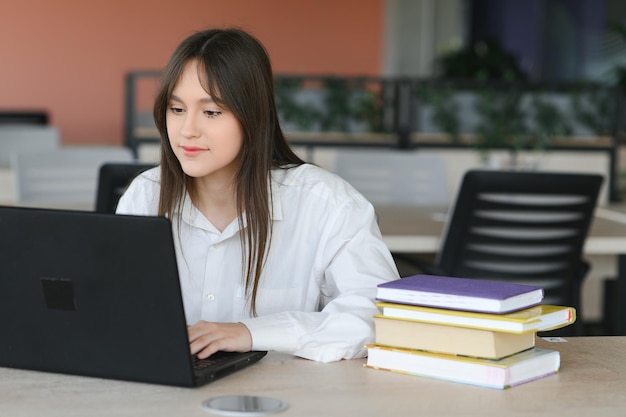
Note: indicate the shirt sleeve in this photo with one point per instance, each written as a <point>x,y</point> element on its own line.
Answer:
<point>355,260</point>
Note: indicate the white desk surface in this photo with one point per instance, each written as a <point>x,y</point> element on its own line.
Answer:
<point>8,197</point>
<point>592,382</point>
<point>419,230</point>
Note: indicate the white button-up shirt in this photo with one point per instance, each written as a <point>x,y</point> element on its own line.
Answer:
<point>316,294</point>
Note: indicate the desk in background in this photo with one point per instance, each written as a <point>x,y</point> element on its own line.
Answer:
<point>419,230</point>
<point>8,197</point>
<point>592,382</point>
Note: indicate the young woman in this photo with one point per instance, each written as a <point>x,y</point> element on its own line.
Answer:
<point>273,253</point>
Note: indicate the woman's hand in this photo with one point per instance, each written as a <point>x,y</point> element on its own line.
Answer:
<point>206,338</point>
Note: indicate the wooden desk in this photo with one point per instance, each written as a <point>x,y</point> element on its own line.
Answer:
<point>419,230</point>
<point>592,382</point>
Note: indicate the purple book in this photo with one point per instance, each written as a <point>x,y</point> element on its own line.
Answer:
<point>467,294</point>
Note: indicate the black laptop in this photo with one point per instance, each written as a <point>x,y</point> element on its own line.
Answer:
<point>97,295</point>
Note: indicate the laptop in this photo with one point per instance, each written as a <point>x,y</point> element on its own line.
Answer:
<point>98,295</point>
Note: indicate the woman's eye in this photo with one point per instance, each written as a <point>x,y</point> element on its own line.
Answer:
<point>212,113</point>
<point>176,110</point>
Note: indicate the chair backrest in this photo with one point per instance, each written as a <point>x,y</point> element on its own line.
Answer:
<point>65,177</point>
<point>527,227</point>
<point>26,138</point>
<point>393,176</point>
<point>113,179</point>
<point>24,117</point>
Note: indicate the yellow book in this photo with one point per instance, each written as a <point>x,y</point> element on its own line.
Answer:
<point>450,339</point>
<point>543,317</point>
<point>513,370</point>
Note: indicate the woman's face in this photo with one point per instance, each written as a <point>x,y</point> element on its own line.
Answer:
<point>205,138</point>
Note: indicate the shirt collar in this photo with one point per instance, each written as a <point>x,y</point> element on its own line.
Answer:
<point>191,215</point>
<point>277,201</point>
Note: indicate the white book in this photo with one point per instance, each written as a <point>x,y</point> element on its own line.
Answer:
<point>503,373</point>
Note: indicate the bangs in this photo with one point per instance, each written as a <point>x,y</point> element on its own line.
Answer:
<point>210,82</point>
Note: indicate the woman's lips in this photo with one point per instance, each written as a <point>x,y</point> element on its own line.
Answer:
<point>192,150</point>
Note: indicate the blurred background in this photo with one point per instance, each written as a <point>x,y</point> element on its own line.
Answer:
<point>534,84</point>
<point>71,58</point>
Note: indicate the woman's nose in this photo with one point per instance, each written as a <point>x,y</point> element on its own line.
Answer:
<point>190,129</point>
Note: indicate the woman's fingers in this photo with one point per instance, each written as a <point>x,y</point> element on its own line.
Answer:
<point>206,338</point>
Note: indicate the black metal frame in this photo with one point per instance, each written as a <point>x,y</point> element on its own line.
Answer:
<point>400,104</point>
<point>130,139</point>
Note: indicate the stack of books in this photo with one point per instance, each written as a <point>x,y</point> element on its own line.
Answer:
<point>472,331</point>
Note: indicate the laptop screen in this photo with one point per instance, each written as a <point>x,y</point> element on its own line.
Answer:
<point>98,293</point>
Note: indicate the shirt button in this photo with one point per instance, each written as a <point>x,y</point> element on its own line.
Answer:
<point>210,297</point>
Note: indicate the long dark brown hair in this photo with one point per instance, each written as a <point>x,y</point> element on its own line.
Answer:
<point>235,71</point>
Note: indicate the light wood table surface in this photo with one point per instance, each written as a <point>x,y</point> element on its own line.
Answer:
<point>591,383</point>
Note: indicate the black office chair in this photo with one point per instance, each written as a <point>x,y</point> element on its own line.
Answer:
<point>113,178</point>
<point>526,227</point>
<point>19,117</point>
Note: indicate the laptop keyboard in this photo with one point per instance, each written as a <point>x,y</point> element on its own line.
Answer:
<point>203,363</point>
<point>218,358</point>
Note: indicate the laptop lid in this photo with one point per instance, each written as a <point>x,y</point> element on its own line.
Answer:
<point>96,295</point>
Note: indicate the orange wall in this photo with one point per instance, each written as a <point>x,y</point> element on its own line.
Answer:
<point>70,57</point>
